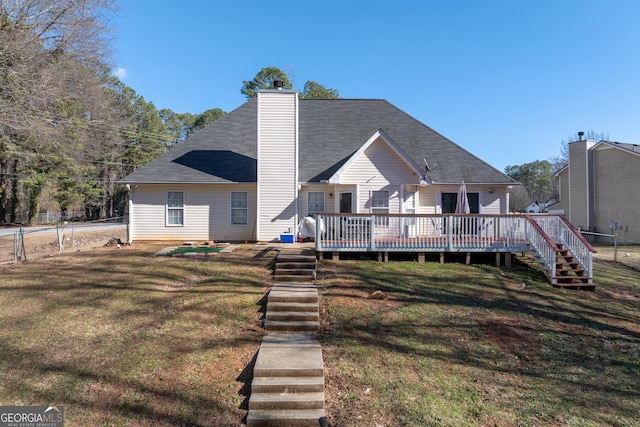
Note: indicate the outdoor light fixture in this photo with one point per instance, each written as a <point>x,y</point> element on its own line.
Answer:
<point>331,195</point>
<point>491,191</point>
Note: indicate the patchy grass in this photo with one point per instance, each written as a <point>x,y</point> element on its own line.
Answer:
<point>474,345</point>
<point>126,339</point>
<point>123,338</point>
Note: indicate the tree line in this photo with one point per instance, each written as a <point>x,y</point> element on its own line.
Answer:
<point>70,129</point>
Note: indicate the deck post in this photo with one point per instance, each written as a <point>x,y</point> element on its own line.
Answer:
<point>421,257</point>
<point>372,240</point>
<point>507,260</point>
<point>468,259</point>
<point>335,256</point>
<point>441,257</point>
<point>498,259</point>
<point>450,233</point>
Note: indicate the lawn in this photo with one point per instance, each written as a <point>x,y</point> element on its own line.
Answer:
<point>124,338</point>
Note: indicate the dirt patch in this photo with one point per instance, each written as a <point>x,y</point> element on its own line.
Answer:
<point>513,335</point>
<point>45,243</point>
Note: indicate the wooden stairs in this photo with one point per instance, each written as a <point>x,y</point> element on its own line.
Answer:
<point>569,273</point>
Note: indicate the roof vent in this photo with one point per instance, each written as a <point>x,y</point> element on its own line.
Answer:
<point>580,135</point>
<point>278,84</point>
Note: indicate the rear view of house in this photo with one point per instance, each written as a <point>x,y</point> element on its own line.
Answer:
<point>254,173</point>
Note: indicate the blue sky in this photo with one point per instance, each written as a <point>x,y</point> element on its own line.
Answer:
<point>505,79</point>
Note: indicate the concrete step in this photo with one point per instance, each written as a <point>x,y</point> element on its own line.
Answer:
<point>287,385</point>
<point>271,401</point>
<point>294,271</point>
<point>288,418</point>
<point>284,257</point>
<point>300,264</point>
<point>294,326</point>
<point>295,316</point>
<point>292,295</point>
<point>290,340</point>
<point>282,360</point>
<point>299,307</point>
<point>294,278</point>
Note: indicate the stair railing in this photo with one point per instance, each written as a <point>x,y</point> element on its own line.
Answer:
<point>560,231</point>
<point>542,245</point>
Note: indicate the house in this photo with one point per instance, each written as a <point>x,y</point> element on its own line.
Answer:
<point>254,173</point>
<point>536,207</point>
<point>599,188</point>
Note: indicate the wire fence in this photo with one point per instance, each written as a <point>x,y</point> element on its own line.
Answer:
<point>612,247</point>
<point>25,244</point>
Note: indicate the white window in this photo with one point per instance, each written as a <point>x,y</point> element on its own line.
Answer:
<point>380,205</point>
<point>380,202</point>
<point>239,208</point>
<point>175,208</point>
<point>315,202</point>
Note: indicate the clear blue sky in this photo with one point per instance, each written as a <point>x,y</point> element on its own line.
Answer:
<point>507,80</point>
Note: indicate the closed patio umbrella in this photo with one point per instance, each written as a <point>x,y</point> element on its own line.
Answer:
<point>462,204</point>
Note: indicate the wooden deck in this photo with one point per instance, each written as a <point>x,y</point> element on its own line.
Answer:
<point>548,238</point>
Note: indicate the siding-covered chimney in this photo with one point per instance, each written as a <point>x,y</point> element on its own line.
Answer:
<point>277,163</point>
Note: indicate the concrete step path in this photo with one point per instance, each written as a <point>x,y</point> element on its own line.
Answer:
<point>288,382</point>
<point>292,307</point>
<point>288,377</point>
<point>295,265</point>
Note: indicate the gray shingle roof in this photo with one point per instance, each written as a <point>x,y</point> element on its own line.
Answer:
<point>330,132</point>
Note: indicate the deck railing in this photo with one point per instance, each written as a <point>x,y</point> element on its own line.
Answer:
<point>428,233</point>
<point>542,234</point>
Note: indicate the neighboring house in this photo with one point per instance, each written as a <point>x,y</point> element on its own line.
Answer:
<point>252,174</point>
<point>536,207</point>
<point>599,188</point>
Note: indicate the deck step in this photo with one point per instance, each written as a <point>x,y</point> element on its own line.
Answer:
<point>289,418</point>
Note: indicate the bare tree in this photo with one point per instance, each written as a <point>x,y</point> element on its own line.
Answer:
<point>52,56</point>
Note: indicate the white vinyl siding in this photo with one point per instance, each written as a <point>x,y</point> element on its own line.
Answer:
<point>315,202</point>
<point>380,168</point>
<point>277,163</point>
<point>239,208</point>
<point>206,213</point>
<point>175,208</point>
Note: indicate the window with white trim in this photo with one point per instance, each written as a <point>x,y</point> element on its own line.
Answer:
<point>175,208</point>
<point>315,202</point>
<point>239,208</point>
<point>380,205</point>
<point>380,202</point>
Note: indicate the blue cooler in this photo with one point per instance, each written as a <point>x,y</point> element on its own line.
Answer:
<point>286,237</point>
